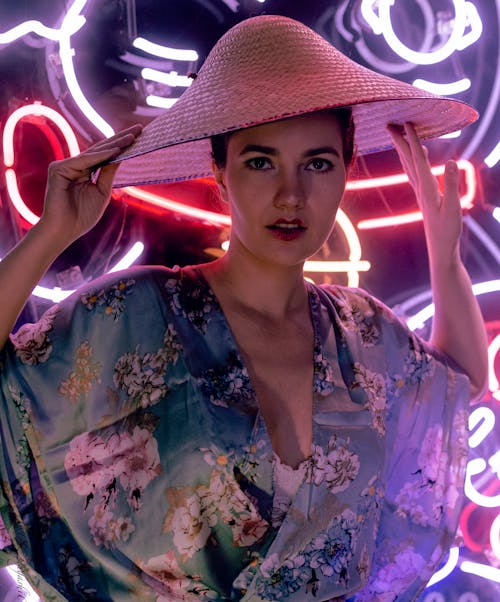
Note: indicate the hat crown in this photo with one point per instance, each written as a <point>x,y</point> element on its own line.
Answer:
<point>272,67</point>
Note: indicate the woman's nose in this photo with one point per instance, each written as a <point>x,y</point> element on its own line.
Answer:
<point>291,191</point>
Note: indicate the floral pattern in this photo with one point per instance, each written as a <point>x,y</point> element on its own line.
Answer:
<point>153,455</point>
<point>22,406</point>
<point>86,373</point>
<point>102,469</point>
<point>227,384</point>
<point>373,384</point>
<point>190,301</point>
<point>338,467</point>
<point>111,301</point>
<point>195,512</point>
<point>32,342</point>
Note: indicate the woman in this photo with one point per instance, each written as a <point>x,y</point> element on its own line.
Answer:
<point>228,431</point>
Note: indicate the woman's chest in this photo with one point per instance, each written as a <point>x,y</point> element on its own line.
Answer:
<point>280,364</point>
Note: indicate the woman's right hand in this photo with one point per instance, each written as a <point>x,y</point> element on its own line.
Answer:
<point>79,189</point>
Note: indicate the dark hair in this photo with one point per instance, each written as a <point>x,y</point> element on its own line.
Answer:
<point>219,142</point>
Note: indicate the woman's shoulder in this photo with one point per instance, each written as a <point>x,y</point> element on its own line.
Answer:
<point>358,299</point>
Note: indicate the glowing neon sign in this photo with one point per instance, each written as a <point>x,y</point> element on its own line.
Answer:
<point>37,110</point>
<point>466,200</point>
<point>466,16</point>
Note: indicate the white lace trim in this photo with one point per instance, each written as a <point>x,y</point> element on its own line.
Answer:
<point>286,481</point>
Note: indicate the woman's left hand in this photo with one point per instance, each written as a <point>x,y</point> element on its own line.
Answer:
<point>442,213</point>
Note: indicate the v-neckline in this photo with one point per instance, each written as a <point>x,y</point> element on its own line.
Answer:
<point>313,303</point>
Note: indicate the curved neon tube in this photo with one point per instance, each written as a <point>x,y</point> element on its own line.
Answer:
<point>164,52</point>
<point>456,87</point>
<point>486,420</point>
<point>36,109</point>
<point>448,568</point>
<point>474,468</point>
<point>40,110</point>
<point>56,294</point>
<point>423,58</point>
<point>495,536</point>
<point>481,570</point>
<point>7,37</point>
<point>171,78</point>
<point>494,385</point>
<point>480,288</point>
<point>493,157</point>
<point>66,53</point>
<point>466,200</point>
<point>159,101</point>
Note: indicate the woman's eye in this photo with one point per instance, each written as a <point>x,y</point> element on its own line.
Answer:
<point>320,165</point>
<point>259,163</point>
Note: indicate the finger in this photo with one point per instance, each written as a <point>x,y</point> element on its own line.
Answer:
<point>81,166</point>
<point>123,139</point>
<point>105,178</point>
<point>418,150</point>
<point>451,198</point>
<point>403,150</point>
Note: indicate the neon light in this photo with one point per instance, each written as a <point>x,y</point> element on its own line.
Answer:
<point>448,568</point>
<point>29,27</point>
<point>484,237</point>
<point>172,78</point>
<point>160,201</point>
<point>72,22</point>
<point>164,52</point>
<point>486,417</point>
<point>336,266</point>
<point>20,580</point>
<point>370,16</point>
<point>41,30</point>
<point>460,85</point>
<point>480,288</point>
<point>493,383</point>
<point>474,468</point>
<point>17,201</point>
<point>465,14</point>
<point>354,245</point>
<point>493,157</point>
<point>25,112</point>
<point>475,24</point>
<point>496,214</point>
<point>233,4</point>
<point>129,258</point>
<point>56,294</point>
<point>466,200</point>
<point>66,53</point>
<point>160,101</point>
<point>455,134</point>
<point>494,463</point>
<point>481,570</point>
<point>495,536</point>
<point>40,111</point>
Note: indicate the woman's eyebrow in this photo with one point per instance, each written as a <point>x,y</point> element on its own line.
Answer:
<point>257,148</point>
<point>322,150</point>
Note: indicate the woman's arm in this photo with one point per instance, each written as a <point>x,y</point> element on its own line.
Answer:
<point>74,203</point>
<point>458,328</point>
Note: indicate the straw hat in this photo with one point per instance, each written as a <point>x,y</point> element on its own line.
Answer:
<point>268,68</point>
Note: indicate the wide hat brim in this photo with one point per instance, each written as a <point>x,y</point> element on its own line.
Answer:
<point>269,68</point>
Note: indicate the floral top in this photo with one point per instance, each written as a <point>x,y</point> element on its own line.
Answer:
<point>136,465</point>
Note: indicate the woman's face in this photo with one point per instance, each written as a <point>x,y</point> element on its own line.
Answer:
<point>284,182</point>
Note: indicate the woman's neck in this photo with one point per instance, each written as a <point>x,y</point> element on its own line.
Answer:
<point>271,290</point>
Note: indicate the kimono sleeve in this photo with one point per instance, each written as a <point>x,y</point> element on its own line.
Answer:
<point>426,424</point>
<point>58,380</point>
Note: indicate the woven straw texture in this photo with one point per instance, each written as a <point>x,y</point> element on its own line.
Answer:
<point>268,68</point>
